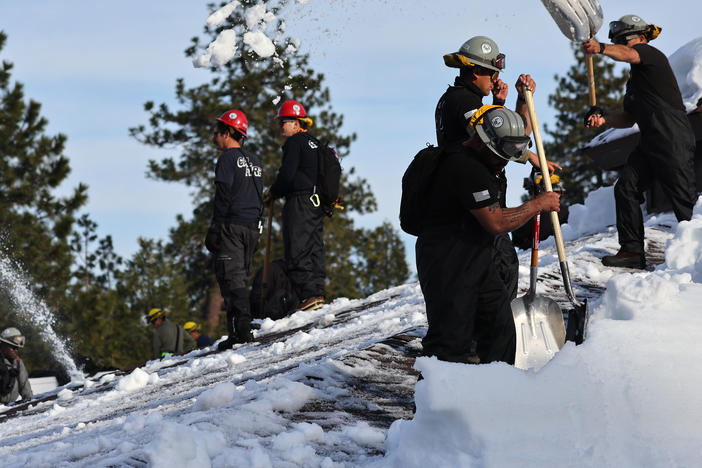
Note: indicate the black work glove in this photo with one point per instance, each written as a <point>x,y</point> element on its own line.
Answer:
<point>212,238</point>
<point>594,110</point>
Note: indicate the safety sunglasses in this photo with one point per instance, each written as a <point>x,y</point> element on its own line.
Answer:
<point>617,28</point>
<point>486,71</point>
<point>515,148</point>
<point>623,40</point>
<point>282,122</point>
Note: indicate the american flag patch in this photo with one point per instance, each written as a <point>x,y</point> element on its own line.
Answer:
<point>481,196</point>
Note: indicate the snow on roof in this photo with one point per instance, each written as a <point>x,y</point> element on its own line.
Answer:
<point>686,63</point>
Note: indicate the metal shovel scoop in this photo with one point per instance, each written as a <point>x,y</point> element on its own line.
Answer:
<point>538,320</point>
<point>578,20</point>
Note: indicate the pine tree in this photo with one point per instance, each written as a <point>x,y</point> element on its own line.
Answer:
<point>580,174</point>
<point>381,258</point>
<point>35,224</point>
<point>255,85</point>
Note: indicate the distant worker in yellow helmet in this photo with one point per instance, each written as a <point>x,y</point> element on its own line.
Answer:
<point>167,338</point>
<point>202,340</point>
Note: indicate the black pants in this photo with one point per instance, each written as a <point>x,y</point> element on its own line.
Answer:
<point>236,247</point>
<point>507,263</point>
<point>466,299</point>
<point>303,225</point>
<point>676,175</point>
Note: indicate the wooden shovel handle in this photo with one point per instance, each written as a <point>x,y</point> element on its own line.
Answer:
<point>544,171</point>
<point>591,79</point>
<point>266,259</point>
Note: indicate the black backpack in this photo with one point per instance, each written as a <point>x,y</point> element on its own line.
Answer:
<point>415,183</point>
<point>328,177</point>
<point>279,298</point>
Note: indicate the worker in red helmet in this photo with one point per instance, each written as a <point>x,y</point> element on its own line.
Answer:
<point>303,219</point>
<point>236,221</point>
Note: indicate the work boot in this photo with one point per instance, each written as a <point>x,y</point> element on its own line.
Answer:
<point>311,303</point>
<point>243,336</point>
<point>226,344</point>
<point>625,259</point>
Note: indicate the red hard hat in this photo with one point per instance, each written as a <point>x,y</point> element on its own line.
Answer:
<point>235,118</point>
<point>292,109</point>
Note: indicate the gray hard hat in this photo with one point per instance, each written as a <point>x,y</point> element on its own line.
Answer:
<point>500,129</point>
<point>478,50</point>
<point>626,25</point>
<point>12,337</point>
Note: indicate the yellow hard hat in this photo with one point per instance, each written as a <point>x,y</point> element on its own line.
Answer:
<point>555,179</point>
<point>191,327</point>
<point>154,314</point>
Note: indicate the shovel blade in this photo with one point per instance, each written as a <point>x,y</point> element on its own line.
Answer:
<point>578,20</point>
<point>538,322</point>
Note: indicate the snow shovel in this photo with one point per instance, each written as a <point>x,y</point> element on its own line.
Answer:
<point>579,21</point>
<point>578,316</point>
<point>538,320</point>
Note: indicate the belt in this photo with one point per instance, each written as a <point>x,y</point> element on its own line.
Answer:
<point>253,224</point>
<point>301,193</point>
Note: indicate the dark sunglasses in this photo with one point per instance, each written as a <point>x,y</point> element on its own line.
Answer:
<point>486,71</point>
<point>282,122</point>
<point>623,40</point>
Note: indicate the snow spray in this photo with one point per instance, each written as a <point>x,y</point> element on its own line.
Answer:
<point>35,311</point>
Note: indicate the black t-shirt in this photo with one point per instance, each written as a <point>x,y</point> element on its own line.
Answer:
<point>449,116</point>
<point>462,183</point>
<point>652,75</point>
<point>298,171</point>
<point>239,185</point>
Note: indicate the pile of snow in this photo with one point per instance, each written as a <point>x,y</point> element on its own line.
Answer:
<point>594,216</point>
<point>687,66</point>
<point>263,30</point>
<point>136,380</point>
<point>628,396</point>
<point>686,63</point>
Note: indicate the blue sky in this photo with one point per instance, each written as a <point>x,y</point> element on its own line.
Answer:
<point>92,65</point>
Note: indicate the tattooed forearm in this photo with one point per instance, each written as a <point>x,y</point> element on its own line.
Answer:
<point>497,220</point>
<point>517,214</point>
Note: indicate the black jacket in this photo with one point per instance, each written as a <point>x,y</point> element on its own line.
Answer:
<point>298,172</point>
<point>449,117</point>
<point>238,187</point>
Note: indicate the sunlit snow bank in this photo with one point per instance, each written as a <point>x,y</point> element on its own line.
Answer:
<point>686,63</point>
<point>594,216</point>
<point>629,396</point>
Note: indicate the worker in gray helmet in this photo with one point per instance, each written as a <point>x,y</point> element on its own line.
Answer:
<point>14,379</point>
<point>467,301</point>
<point>666,149</point>
<point>480,62</point>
